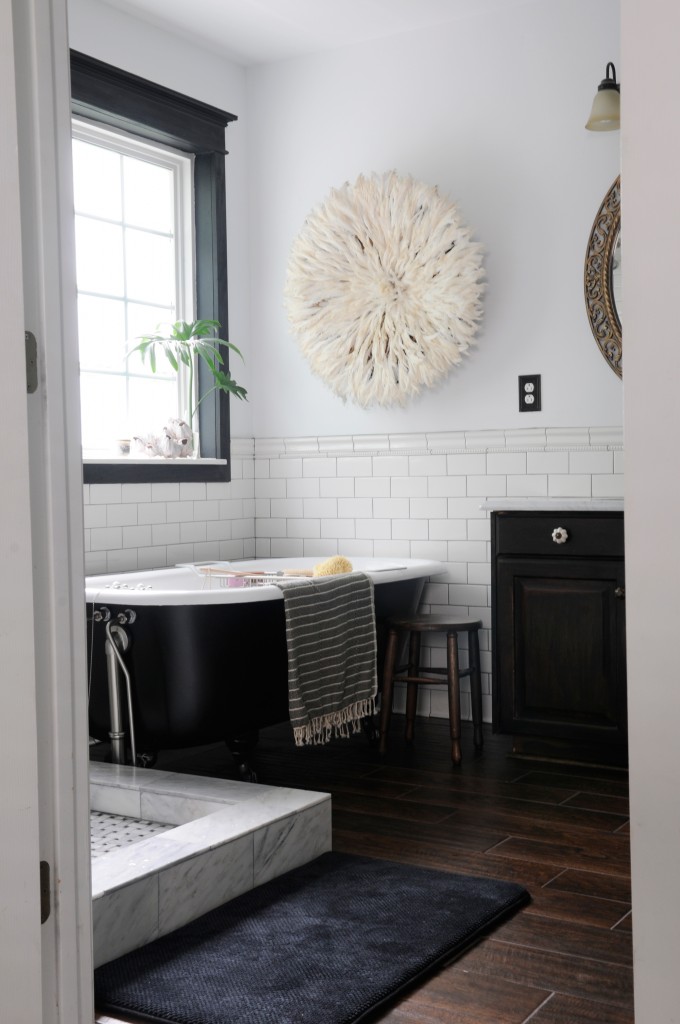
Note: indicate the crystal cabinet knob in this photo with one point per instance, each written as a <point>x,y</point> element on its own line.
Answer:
<point>560,535</point>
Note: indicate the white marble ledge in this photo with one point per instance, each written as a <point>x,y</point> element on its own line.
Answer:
<point>222,828</point>
<point>153,780</point>
<point>552,504</point>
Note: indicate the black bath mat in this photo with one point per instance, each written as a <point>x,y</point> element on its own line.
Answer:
<point>326,943</point>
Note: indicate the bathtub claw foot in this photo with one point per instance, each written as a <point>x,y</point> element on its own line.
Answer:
<point>242,748</point>
<point>246,773</point>
<point>147,759</point>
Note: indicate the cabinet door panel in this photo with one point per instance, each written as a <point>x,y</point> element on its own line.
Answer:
<point>559,647</point>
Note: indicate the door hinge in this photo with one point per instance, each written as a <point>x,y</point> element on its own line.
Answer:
<point>45,892</point>
<point>31,362</point>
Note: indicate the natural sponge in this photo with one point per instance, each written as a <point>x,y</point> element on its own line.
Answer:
<point>332,566</point>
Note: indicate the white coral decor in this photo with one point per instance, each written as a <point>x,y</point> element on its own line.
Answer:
<point>384,289</point>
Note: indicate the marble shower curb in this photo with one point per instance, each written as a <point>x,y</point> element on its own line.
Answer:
<point>229,837</point>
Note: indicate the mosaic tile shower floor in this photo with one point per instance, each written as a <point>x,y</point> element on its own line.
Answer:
<point>112,831</point>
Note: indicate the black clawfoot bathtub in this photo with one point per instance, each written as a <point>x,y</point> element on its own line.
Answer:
<point>207,662</point>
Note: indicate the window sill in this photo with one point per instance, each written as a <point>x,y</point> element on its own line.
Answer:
<point>131,470</point>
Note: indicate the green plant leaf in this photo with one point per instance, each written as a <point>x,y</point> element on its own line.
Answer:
<point>182,330</point>
<point>205,354</point>
<point>225,382</point>
<point>201,328</point>
<point>211,349</point>
<point>171,357</point>
<point>228,344</point>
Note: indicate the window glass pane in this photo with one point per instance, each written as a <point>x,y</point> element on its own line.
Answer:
<point>97,180</point>
<point>128,281</point>
<point>103,410</point>
<point>151,404</point>
<point>101,333</point>
<point>142,367</point>
<point>149,263</point>
<point>142,320</point>
<point>149,195</point>
<point>99,257</point>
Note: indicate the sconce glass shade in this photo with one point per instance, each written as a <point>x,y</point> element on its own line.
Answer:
<point>606,113</point>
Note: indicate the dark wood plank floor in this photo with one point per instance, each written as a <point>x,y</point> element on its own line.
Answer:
<point>559,829</point>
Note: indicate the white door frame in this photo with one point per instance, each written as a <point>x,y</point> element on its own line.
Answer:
<point>20,963</point>
<point>49,475</point>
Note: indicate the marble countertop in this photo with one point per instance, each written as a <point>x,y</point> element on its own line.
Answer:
<point>553,504</point>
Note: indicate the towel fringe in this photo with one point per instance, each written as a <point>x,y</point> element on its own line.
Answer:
<point>337,723</point>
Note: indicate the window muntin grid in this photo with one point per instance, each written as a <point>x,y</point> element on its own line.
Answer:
<point>134,253</point>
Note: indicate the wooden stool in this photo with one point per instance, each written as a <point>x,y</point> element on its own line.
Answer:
<point>415,626</point>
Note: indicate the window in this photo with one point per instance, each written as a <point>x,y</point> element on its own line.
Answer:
<point>151,248</point>
<point>134,247</point>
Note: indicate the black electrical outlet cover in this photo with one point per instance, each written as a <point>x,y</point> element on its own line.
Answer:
<point>530,393</point>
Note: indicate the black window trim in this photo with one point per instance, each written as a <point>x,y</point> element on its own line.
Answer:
<point>118,99</point>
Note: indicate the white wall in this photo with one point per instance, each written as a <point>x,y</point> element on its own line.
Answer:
<point>147,525</point>
<point>136,46</point>
<point>491,109</point>
<point>651,167</point>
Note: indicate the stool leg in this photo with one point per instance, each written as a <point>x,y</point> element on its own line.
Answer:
<point>453,679</point>
<point>387,687</point>
<point>476,688</point>
<point>412,688</point>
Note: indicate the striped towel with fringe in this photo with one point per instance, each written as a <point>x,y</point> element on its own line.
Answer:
<point>332,674</point>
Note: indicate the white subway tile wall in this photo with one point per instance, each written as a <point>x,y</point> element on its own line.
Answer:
<point>394,496</point>
<point>147,526</point>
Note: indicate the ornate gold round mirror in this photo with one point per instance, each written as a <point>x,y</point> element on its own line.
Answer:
<point>603,278</point>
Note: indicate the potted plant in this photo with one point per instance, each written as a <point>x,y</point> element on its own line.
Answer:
<point>181,342</point>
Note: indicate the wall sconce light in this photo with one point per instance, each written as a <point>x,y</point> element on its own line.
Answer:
<point>606,113</point>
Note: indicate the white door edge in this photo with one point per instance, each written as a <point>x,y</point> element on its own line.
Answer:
<point>43,103</point>
<point>20,932</point>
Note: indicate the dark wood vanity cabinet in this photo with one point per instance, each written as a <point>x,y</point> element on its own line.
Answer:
<point>558,614</point>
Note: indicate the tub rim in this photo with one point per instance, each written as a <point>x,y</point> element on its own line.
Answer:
<point>138,586</point>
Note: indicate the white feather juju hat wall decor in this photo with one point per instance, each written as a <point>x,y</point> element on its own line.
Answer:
<point>384,289</point>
